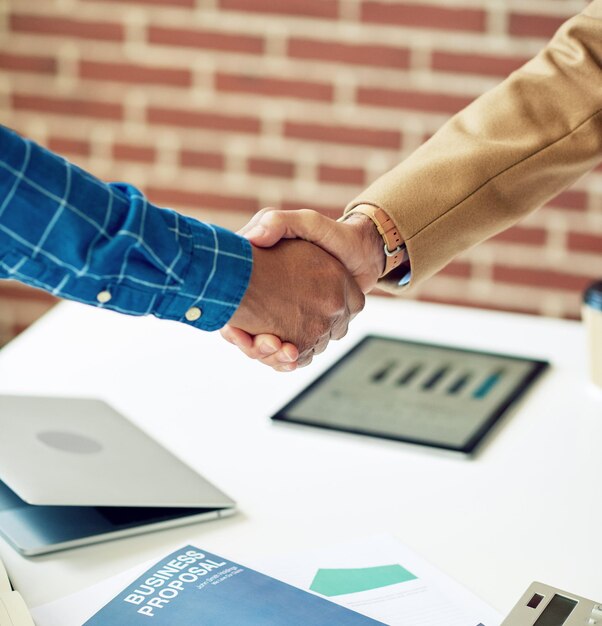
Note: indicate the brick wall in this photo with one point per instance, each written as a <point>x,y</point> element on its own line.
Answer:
<point>220,107</point>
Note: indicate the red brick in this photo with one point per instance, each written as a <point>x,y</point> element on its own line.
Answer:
<point>546,279</point>
<point>167,3</point>
<point>205,39</point>
<point>201,200</point>
<point>460,269</point>
<point>64,145</point>
<point>572,200</point>
<point>476,63</point>
<point>415,100</point>
<point>423,16</point>
<point>202,160</point>
<point>354,54</point>
<point>135,74</point>
<point>520,234</point>
<point>344,134</point>
<point>28,63</point>
<point>66,27</point>
<point>67,106</point>
<point>129,152</point>
<point>343,175</point>
<point>203,119</point>
<point>575,317</point>
<point>583,242</point>
<point>274,87</point>
<point>526,25</point>
<point>271,167</point>
<point>328,9</point>
<point>481,304</point>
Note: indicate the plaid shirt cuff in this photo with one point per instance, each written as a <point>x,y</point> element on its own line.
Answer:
<point>208,297</point>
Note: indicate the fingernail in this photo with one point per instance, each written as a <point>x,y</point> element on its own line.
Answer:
<point>256,231</point>
<point>284,357</point>
<point>286,368</point>
<point>267,348</point>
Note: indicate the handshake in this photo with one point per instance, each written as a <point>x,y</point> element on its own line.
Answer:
<point>309,278</point>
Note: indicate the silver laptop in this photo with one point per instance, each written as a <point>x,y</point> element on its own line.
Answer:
<point>74,471</point>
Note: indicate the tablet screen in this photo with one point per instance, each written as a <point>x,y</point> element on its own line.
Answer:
<point>416,392</point>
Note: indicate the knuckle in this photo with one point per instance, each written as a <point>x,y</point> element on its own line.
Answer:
<point>306,213</point>
<point>309,217</point>
<point>361,303</point>
<point>304,350</point>
<point>356,303</point>
<point>320,347</point>
<point>305,362</point>
<point>261,213</point>
<point>341,332</point>
<point>272,216</point>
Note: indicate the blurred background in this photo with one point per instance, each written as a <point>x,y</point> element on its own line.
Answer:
<point>220,107</point>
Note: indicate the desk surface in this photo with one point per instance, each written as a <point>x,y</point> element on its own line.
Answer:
<point>528,507</point>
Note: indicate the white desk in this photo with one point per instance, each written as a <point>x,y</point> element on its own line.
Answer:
<point>528,507</point>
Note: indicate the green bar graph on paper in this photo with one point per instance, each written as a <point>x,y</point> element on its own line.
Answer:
<point>337,582</point>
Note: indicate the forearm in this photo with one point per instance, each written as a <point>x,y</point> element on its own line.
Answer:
<point>503,156</point>
<point>66,232</point>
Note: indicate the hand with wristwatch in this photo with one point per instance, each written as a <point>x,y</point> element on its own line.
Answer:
<point>365,240</point>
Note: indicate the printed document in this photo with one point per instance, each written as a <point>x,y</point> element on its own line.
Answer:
<point>383,579</point>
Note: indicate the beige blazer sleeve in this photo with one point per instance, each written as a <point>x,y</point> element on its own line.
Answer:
<point>501,157</point>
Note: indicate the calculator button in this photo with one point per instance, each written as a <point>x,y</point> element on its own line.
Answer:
<point>597,613</point>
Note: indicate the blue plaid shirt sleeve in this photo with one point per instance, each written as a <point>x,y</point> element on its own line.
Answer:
<point>66,232</point>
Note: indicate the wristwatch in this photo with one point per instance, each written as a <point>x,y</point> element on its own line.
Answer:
<point>395,250</point>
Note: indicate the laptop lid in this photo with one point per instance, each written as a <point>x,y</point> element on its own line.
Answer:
<point>38,529</point>
<point>82,452</point>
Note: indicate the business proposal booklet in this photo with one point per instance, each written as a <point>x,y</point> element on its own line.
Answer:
<point>191,586</point>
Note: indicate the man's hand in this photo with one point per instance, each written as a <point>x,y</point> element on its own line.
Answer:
<point>302,295</point>
<point>355,242</point>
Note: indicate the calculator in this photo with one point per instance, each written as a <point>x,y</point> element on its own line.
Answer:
<point>542,605</point>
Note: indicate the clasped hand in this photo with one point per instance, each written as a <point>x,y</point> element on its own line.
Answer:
<point>303,292</point>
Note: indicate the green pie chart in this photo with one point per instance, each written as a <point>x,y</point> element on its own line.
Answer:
<point>338,582</point>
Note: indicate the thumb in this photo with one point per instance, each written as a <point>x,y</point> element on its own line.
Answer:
<point>301,224</point>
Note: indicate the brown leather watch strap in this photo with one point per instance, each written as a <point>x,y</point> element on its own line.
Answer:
<point>395,250</point>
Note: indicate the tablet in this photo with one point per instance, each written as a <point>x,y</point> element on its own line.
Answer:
<point>439,396</point>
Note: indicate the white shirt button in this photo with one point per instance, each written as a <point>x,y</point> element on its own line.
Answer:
<point>103,297</point>
<point>193,314</point>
